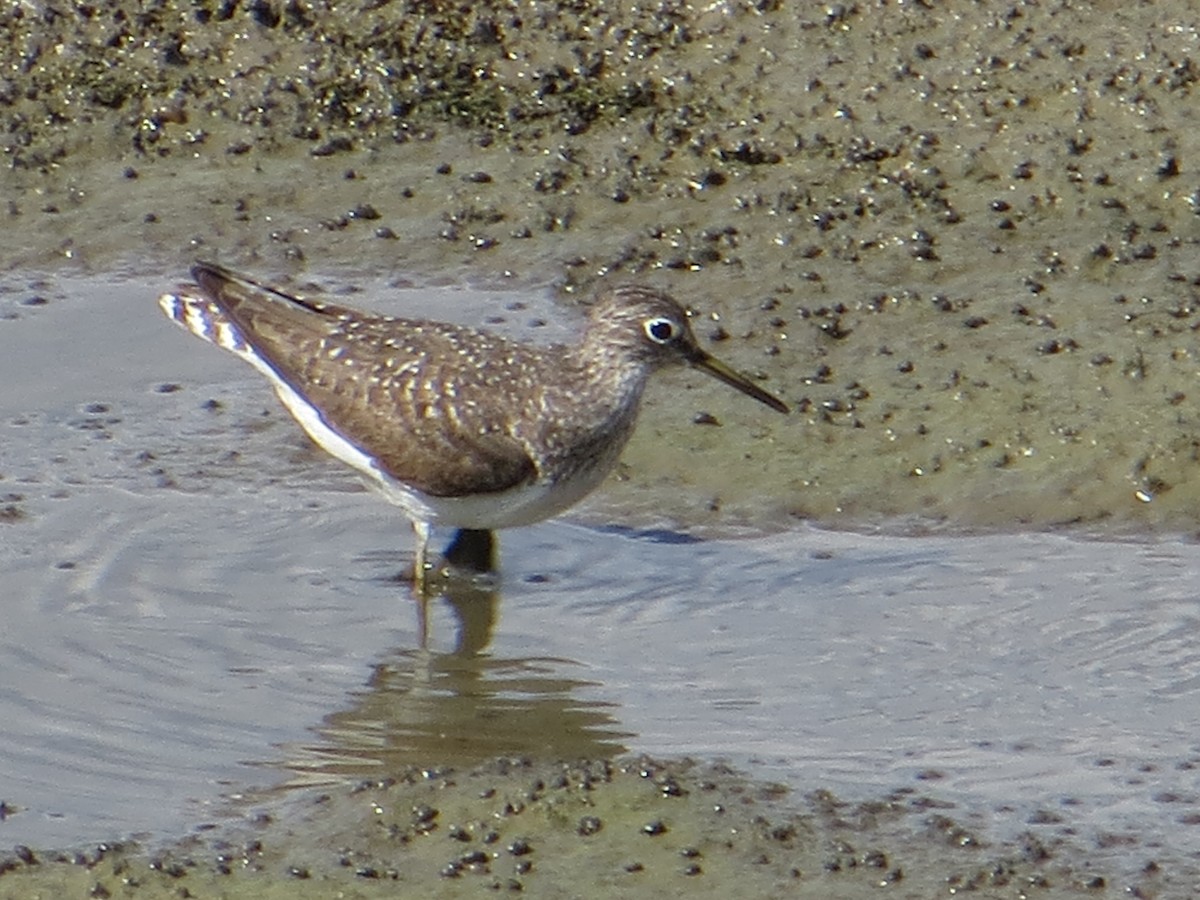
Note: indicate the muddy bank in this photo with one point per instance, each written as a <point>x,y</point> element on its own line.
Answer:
<point>636,829</point>
<point>961,244</point>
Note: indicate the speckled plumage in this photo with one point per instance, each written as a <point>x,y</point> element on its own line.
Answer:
<point>458,426</point>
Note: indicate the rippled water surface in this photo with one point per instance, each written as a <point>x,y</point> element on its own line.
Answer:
<point>180,624</point>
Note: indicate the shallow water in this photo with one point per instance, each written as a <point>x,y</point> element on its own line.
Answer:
<point>196,604</point>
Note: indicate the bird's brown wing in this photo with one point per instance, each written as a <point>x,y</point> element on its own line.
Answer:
<point>404,392</point>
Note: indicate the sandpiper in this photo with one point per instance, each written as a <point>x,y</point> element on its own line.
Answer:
<point>456,426</point>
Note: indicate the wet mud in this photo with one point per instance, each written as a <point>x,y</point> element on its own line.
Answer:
<point>636,829</point>
<point>960,241</point>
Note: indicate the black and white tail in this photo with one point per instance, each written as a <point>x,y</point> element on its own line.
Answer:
<point>207,321</point>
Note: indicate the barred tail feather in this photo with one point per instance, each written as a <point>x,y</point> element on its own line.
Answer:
<point>205,320</point>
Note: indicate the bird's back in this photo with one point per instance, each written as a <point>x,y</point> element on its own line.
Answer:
<point>447,410</point>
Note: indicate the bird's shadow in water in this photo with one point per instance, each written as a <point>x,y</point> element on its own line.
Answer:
<point>650,535</point>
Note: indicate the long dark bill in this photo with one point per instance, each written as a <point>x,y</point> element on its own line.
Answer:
<point>736,379</point>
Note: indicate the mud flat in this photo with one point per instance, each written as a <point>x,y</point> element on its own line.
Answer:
<point>960,242</point>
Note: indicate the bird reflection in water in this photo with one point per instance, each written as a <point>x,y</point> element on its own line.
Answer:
<point>429,708</point>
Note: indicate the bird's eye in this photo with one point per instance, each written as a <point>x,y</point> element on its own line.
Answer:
<point>661,330</point>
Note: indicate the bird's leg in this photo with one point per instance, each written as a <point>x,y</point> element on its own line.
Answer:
<point>471,549</point>
<point>422,530</point>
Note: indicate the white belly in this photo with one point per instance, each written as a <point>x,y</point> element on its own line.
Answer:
<point>504,509</point>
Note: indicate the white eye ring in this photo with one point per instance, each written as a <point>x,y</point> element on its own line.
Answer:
<point>661,330</point>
